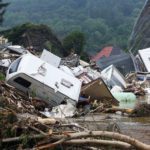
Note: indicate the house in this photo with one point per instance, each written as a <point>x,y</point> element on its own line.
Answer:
<point>116,56</point>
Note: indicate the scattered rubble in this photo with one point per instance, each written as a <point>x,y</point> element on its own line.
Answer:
<point>141,110</point>
<point>71,61</point>
<point>35,110</point>
<point>136,86</point>
<point>26,127</point>
<point>8,54</point>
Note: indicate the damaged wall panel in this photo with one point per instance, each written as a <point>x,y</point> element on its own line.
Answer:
<point>97,89</point>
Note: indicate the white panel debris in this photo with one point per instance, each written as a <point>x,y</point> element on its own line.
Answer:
<point>50,58</point>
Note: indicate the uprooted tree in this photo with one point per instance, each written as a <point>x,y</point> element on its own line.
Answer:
<point>117,140</point>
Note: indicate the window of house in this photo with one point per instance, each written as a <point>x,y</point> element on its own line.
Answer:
<point>14,66</point>
<point>22,82</point>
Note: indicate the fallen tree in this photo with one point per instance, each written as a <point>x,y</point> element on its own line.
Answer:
<point>125,140</point>
<point>95,143</point>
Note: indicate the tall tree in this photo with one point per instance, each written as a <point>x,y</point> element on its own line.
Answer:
<point>2,10</point>
<point>75,41</point>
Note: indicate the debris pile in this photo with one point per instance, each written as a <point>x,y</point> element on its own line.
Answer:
<point>71,61</point>
<point>73,80</point>
<point>100,86</point>
<point>23,126</point>
<point>134,85</point>
<point>141,110</point>
<point>26,127</point>
<point>8,54</point>
<point>43,96</point>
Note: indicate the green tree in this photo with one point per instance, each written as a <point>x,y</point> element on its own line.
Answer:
<point>2,10</point>
<point>103,22</point>
<point>75,41</point>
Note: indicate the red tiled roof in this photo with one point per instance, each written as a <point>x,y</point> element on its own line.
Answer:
<point>104,52</point>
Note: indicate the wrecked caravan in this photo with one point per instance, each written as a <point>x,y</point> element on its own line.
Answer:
<point>31,74</point>
<point>113,77</point>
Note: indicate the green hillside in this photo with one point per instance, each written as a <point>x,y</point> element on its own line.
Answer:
<point>104,22</point>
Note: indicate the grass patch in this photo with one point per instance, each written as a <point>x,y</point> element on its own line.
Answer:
<point>2,77</point>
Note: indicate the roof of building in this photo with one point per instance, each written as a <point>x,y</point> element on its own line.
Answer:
<point>104,52</point>
<point>108,52</point>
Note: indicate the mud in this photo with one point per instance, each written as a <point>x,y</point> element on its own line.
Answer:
<point>137,127</point>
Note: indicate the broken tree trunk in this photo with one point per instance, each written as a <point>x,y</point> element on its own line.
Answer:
<point>124,138</point>
<point>98,143</point>
<point>114,110</point>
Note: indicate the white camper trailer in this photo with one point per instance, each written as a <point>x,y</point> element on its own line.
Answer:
<point>31,74</point>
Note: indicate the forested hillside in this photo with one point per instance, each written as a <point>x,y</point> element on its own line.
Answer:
<point>104,22</point>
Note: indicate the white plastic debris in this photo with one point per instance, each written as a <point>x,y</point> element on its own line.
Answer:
<point>78,70</point>
<point>66,70</point>
<point>61,111</point>
<point>50,58</point>
<point>116,89</point>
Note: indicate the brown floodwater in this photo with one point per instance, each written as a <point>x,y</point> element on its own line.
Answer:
<point>136,127</point>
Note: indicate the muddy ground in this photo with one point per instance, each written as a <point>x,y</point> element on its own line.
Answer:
<point>138,128</point>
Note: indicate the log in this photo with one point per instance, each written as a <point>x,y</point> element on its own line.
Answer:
<point>97,143</point>
<point>99,107</point>
<point>117,136</point>
<point>47,121</point>
<point>15,139</point>
<point>114,110</point>
<point>37,130</point>
<point>124,138</point>
<point>73,125</point>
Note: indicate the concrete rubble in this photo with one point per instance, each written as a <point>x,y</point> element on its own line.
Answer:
<point>38,119</point>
